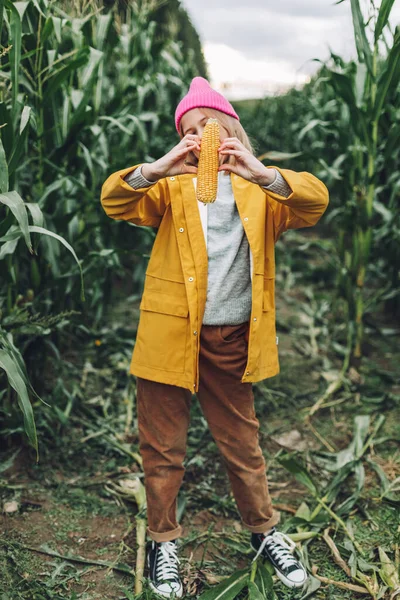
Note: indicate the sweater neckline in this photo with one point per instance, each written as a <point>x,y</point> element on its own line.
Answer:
<point>222,178</point>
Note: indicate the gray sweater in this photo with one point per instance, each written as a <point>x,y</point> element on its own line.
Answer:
<point>228,299</point>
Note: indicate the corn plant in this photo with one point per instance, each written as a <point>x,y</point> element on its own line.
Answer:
<point>344,126</point>
<point>82,93</point>
<point>364,86</point>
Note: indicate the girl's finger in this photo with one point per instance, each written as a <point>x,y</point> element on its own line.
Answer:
<point>188,148</point>
<point>234,152</point>
<point>233,142</point>
<point>190,137</point>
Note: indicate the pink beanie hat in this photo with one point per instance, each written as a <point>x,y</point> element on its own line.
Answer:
<point>201,94</point>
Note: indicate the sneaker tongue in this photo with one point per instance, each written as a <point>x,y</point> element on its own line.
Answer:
<point>264,535</point>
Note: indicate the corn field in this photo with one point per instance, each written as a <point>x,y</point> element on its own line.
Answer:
<point>90,87</point>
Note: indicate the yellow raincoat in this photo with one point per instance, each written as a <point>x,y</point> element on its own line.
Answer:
<point>173,301</point>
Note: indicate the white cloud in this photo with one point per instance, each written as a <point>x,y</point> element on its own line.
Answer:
<point>239,77</point>
<point>269,46</point>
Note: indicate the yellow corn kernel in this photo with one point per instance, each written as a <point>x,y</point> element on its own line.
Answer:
<point>207,172</point>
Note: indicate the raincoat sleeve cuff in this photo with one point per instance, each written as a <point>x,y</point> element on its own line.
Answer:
<point>136,180</point>
<point>279,185</point>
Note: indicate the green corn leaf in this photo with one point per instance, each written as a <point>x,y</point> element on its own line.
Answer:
<point>299,472</point>
<point>361,427</point>
<point>377,425</point>
<point>139,128</point>
<point>3,169</point>
<point>355,448</point>
<point>311,586</point>
<point>330,170</point>
<point>390,76</point>
<point>360,81</point>
<point>117,123</point>
<point>19,141</point>
<point>17,206</point>
<point>335,485</point>
<point>229,588</point>
<point>254,592</point>
<point>344,87</point>
<point>264,582</point>
<point>38,8</point>
<point>362,44</point>
<point>47,30</point>
<point>8,462</point>
<point>275,155</point>
<point>1,17</point>
<point>388,571</point>
<point>89,161</point>
<point>8,248</point>
<point>17,234</point>
<point>37,215</point>
<point>7,131</point>
<point>383,17</point>
<point>392,141</point>
<point>387,487</point>
<point>359,476</point>
<point>57,28</point>
<point>57,78</point>
<point>103,23</point>
<point>303,511</point>
<point>16,381</point>
<point>311,125</point>
<point>303,535</point>
<point>17,10</point>
<point>67,245</point>
<point>87,81</point>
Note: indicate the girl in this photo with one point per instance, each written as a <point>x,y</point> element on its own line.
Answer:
<point>207,319</point>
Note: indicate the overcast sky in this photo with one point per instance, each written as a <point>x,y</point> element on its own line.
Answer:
<point>256,47</point>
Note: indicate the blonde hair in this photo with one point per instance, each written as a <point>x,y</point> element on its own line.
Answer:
<point>232,125</point>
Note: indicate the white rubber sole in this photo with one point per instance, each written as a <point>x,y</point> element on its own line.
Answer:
<point>284,579</point>
<point>177,594</point>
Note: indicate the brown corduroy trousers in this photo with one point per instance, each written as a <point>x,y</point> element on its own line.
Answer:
<point>228,406</point>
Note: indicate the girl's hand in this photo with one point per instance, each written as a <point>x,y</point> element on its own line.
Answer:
<point>173,163</point>
<point>247,165</point>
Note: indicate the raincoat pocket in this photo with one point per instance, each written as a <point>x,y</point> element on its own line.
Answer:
<point>162,332</point>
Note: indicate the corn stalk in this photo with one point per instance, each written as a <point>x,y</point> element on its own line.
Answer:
<point>82,93</point>
<point>364,86</point>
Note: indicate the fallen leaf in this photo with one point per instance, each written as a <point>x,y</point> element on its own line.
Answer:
<point>291,439</point>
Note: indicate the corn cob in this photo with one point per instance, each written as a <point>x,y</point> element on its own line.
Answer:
<point>207,172</point>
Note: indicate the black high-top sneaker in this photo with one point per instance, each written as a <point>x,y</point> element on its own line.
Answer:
<point>163,563</point>
<point>277,547</point>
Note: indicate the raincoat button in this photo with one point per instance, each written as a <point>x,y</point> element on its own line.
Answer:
<point>172,178</point>
<point>195,332</point>
<point>190,278</point>
<point>247,372</point>
<point>255,319</point>
<point>181,229</point>
<point>246,219</point>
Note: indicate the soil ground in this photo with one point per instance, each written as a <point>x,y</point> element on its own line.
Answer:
<point>70,535</point>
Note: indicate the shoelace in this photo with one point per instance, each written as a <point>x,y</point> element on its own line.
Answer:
<point>167,561</point>
<point>280,545</point>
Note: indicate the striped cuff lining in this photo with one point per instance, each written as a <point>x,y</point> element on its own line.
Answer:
<point>279,186</point>
<point>136,180</point>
